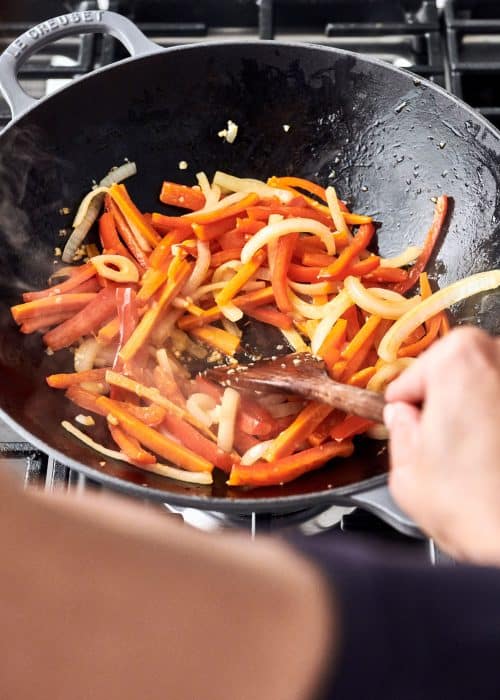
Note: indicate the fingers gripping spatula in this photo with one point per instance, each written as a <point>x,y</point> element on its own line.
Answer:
<point>303,375</point>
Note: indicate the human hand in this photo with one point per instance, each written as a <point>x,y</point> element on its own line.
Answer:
<point>445,457</point>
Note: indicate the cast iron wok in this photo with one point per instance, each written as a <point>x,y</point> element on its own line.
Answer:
<point>388,141</point>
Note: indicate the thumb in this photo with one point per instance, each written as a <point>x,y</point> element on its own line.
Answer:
<point>403,423</point>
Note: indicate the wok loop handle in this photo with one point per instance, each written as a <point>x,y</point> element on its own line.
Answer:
<point>87,21</point>
<point>379,501</point>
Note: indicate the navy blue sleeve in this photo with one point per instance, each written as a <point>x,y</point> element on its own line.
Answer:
<point>409,632</point>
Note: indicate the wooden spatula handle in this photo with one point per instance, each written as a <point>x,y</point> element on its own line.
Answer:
<point>351,399</point>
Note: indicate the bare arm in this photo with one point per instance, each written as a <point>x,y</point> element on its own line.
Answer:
<point>101,599</point>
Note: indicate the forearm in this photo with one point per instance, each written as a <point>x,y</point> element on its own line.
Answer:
<point>106,600</point>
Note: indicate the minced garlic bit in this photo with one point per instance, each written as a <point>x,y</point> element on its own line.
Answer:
<point>64,211</point>
<point>230,133</point>
<point>49,351</point>
<point>57,252</point>
<point>84,420</point>
<point>111,419</point>
<point>286,127</point>
<point>102,464</point>
<point>183,165</point>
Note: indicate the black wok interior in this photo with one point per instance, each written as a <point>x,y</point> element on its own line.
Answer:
<point>389,142</point>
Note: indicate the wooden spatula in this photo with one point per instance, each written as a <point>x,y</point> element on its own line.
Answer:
<point>304,375</point>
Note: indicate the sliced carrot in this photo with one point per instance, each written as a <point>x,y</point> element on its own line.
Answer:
<point>153,440</point>
<point>349,427</point>
<point>223,256</point>
<point>357,351</point>
<point>301,183</point>
<point>109,331</point>
<point>445,323</point>
<point>181,196</point>
<point>357,245</point>
<point>322,432</point>
<point>84,273</point>
<point>163,251</point>
<point>279,281</point>
<point>271,316</point>
<point>365,333</point>
<point>239,280</point>
<point>42,323</point>
<point>330,348</point>
<point>208,232</point>
<point>199,444</point>
<point>64,381</point>
<point>262,213</point>
<point>217,338</point>
<point>246,302</point>
<point>52,304</point>
<point>130,446</point>
<point>362,377</point>
<point>140,226</point>
<point>151,282</point>
<point>88,320</point>
<point>289,468</point>
<point>305,423</point>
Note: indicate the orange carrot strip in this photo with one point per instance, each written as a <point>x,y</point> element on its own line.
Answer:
<point>38,323</point>
<point>429,245</point>
<point>239,280</point>
<point>150,283</point>
<point>279,282</point>
<point>414,349</point>
<point>271,316</point>
<point>349,427</point>
<point>207,232</point>
<point>365,334</point>
<point>53,304</point>
<point>322,432</point>
<point>250,300</point>
<point>199,444</point>
<point>88,320</point>
<point>223,256</point>
<point>139,225</point>
<point>305,423</point>
<point>330,348</point>
<point>217,338</point>
<point>362,377</point>
<point>163,250</point>
<point>130,446</point>
<point>358,244</point>
<point>181,196</point>
<point>145,325</point>
<point>64,381</point>
<point>85,273</point>
<point>288,468</point>
<point>109,331</point>
<point>153,440</point>
<point>301,183</point>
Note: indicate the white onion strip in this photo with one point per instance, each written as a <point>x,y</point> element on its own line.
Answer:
<point>162,469</point>
<point>311,289</point>
<point>442,299</point>
<point>336,212</point>
<point>387,373</point>
<point>272,232</point>
<point>405,258</point>
<point>227,419</point>
<point>256,452</point>
<point>85,204</point>
<point>247,185</point>
<point>201,406</point>
<point>295,340</point>
<point>200,269</point>
<point>374,304</point>
<point>119,174</point>
<point>85,354</point>
<point>337,307</point>
<point>105,266</point>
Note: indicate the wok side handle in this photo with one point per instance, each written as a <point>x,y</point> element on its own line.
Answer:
<point>88,21</point>
<point>379,501</point>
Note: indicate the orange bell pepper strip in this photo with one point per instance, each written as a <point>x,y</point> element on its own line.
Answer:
<point>51,304</point>
<point>64,381</point>
<point>208,232</point>
<point>433,325</point>
<point>140,225</point>
<point>349,427</point>
<point>85,273</point>
<point>387,274</point>
<point>301,183</point>
<point>199,444</point>
<point>246,302</point>
<point>42,323</point>
<point>239,280</point>
<point>445,324</point>
<point>352,318</point>
<point>317,259</point>
<point>181,196</point>
<point>330,348</point>
<point>357,245</point>
<point>223,256</point>
<point>271,316</point>
<point>364,335</point>
<point>88,320</point>
<point>355,354</point>
<point>131,447</point>
<point>126,233</point>
<point>145,326</point>
<point>217,338</point>
<point>167,385</point>
<point>430,242</point>
<point>279,281</point>
<point>302,273</point>
<point>163,251</point>
<point>153,440</point>
<point>305,423</point>
<point>362,377</point>
<point>262,213</point>
<point>289,468</point>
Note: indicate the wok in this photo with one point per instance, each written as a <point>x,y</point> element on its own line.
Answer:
<point>388,141</point>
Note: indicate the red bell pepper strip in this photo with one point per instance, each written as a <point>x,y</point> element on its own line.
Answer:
<point>289,468</point>
<point>279,281</point>
<point>181,196</point>
<point>198,443</point>
<point>349,427</point>
<point>357,245</point>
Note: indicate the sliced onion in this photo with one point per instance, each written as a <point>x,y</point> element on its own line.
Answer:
<point>387,373</point>
<point>231,312</point>
<point>336,212</point>
<point>201,406</point>
<point>372,302</point>
<point>295,340</point>
<point>204,184</point>
<point>85,354</point>
<point>442,299</point>
<point>256,452</point>
<point>282,228</point>
<point>223,203</point>
<point>200,269</point>
<point>221,273</point>
<point>105,355</point>
<point>336,308</point>
<point>231,327</point>
<point>119,174</point>
<point>314,288</point>
<point>287,408</point>
<point>239,184</point>
<point>227,419</point>
<point>405,258</point>
<point>85,204</point>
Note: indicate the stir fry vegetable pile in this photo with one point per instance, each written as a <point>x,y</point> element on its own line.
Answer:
<point>285,252</point>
